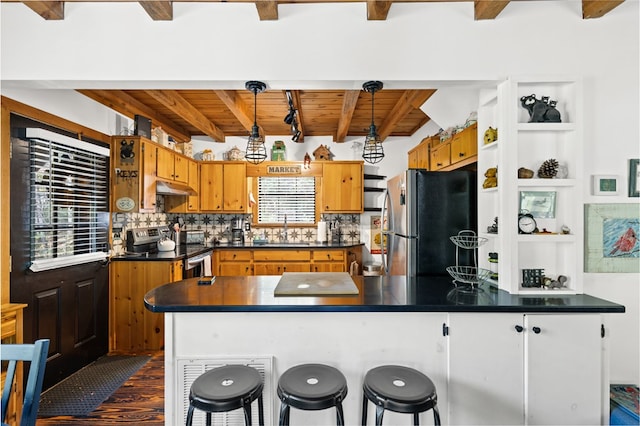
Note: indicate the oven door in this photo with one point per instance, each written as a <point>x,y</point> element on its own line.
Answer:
<point>197,266</point>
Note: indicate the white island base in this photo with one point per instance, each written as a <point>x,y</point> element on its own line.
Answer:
<point>484,370</point>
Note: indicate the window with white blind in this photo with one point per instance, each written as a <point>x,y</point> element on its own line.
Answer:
<point>69,200</point>
<point>292,196</point>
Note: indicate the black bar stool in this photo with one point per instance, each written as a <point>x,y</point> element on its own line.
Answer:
<point>227,388</point>
<point>311,387</point>
<point>399,389</point>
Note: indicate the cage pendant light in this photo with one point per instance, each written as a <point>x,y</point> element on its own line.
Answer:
<point>372,151</point>
<point>256,151</point>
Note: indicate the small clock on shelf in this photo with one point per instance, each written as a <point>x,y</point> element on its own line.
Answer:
<point>526,223</point>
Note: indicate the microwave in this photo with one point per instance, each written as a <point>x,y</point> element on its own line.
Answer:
<point>192,237</point>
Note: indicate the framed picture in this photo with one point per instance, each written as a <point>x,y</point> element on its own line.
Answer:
<point>611,238</point>
<point>541,204</point>
<point>604,185</point>
<point>634,178</point>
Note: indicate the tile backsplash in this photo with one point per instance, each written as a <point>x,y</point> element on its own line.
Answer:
<point>217,227</point>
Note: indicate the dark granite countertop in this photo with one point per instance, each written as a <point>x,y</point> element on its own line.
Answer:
<point>376,294</point>
<point>184,251</point>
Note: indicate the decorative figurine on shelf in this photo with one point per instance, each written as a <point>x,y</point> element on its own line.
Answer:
<point>278,151</point>
<point>565,230</point>
<point>553,284</point>
<point>541,110</point>
<point>234,154</point>
<point>524,173</point>
<point>490,135</point>
<point>493,228</point>
<point>322,153</point>
<point>306,164</point>
<point>548,169</point>
<point>491,176</point>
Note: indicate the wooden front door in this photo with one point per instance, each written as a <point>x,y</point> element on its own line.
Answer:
<point>67,305</point>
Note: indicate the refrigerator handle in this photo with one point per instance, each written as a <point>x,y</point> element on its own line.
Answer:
<point>384,241</point>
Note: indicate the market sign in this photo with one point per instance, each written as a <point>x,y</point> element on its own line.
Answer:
<point>284,170</point>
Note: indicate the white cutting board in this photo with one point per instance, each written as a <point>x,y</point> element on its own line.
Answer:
<point>315,284</point>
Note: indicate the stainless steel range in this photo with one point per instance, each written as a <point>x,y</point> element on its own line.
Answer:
<point>197,258</point>
<point>145,240</point>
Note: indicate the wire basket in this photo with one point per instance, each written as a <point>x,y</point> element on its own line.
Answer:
<point>468,240</point>
<point>468,274</point>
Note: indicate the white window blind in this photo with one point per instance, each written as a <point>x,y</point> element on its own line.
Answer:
<point>294,197</point>
<point>69,200</point>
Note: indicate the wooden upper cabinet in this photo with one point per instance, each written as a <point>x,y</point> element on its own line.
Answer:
<point>440,156</point>
<point>235,197</point>
<point>464,144</point>
<point>342,187</point>
<point>419,155</point>
<point>211,186</point>
<point>172,166</point>
<point>193,201</point>
<point>223,187</point>
<point>134,174</point>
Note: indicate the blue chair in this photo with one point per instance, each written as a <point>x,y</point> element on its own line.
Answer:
<point>36,354</point>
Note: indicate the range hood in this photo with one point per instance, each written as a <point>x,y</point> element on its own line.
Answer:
<point>173,188</point>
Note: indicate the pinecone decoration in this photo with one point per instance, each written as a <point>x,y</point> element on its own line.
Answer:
<point>548,169</point>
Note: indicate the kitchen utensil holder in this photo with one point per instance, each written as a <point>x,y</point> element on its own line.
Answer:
<point>467,274</point>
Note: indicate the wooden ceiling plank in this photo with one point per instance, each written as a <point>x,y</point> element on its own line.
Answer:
<point>158,10</point>
<point>592,9</point>
<point>488,9</point>
<point>127,105</point>
<point>49,10</point>
<point>180,106</point>
<point>237,107</point>
<point>377,10</point>
<point>349,103</point>
<point>267,10</point>
<point>405,105</point>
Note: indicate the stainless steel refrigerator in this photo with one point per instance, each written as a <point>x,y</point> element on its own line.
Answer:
<point>422,210</point>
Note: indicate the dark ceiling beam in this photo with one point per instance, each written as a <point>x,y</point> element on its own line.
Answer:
<point>180,106</point>
<point>297,104</point>
<point>349,103</point>
<point>598,8</point>
<point>488,9</point>
<point>158,10</point>
<point>267,10</point>
<point>49,10</point>
<point>410,100</point>
<point>377,10</point>
<point>127,105</point>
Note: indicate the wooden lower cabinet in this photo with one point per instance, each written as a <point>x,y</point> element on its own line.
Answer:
<point>233,262</point>
<point>11,323</point>
<point>132,327</point>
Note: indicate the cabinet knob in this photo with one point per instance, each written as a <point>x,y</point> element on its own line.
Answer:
<point>438,164</point>
<point>536,330</point>
<point>461,154</point>
<point>519,328</point>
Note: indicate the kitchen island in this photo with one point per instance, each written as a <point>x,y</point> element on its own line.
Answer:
<point>494,357</point>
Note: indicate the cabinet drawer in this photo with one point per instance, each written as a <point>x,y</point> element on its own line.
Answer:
<point>281,255</point>
<point>235,256</point>
<point>328,255</point>
<point>8,324</point>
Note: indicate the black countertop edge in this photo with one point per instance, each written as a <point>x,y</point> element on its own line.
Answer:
<point>373,308</point>
<point>194,250</point>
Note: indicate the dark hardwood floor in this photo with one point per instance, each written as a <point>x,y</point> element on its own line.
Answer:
<point>139,400</point>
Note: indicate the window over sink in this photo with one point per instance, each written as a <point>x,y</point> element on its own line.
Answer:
<point>290,196</point>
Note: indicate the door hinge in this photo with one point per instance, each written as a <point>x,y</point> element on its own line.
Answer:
<point>602,330</point>
<point>445,329</point>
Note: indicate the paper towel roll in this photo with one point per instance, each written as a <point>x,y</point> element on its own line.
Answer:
<point>322,232</point>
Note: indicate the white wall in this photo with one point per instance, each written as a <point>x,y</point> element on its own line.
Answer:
<point>211,45</point>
